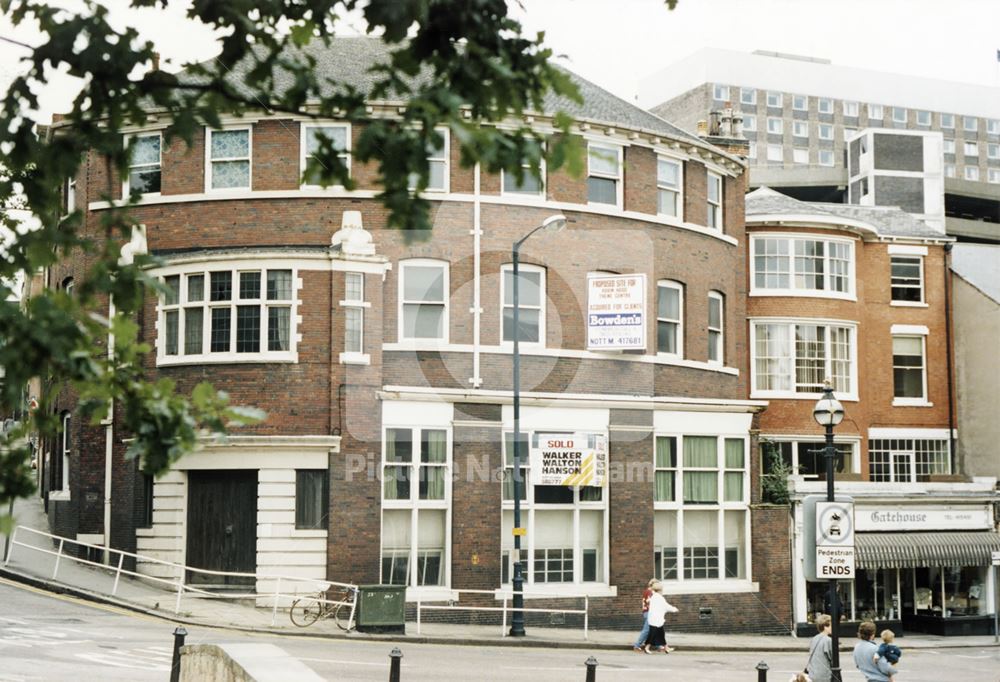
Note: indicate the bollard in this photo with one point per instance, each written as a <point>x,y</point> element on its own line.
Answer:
<point>762,672</point>
<point>591,669</point>
<point>394,658</point>
<point>175,667</point>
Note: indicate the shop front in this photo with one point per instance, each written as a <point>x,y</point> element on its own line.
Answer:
<point>923,560</point>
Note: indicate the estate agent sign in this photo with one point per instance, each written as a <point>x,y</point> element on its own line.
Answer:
<point>616,312</point>
<point>570,459</point>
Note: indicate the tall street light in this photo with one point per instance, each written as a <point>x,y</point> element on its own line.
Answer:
<point>552,223</point>
<point>828,412</point>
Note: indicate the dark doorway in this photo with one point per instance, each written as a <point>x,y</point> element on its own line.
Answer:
<point>222,525</point>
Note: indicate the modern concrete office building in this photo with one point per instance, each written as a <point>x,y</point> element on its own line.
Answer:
<point>799,114</point>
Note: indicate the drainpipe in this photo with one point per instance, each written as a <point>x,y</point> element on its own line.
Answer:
<point>477,309</point>
<point>948,350</point>
<point>109,439</point>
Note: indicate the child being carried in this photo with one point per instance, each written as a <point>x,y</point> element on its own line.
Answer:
<point>887,649</point>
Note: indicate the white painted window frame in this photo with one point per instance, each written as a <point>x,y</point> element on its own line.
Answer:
<point>126,188</point>
<point>948,121</point>
<point>65,451</point>
<point>720,508</point>
<point>796,440</point>
<point>790,324</point>
<point>800,128</point>
<point>825,131</point>
<point>949,146</point>
<point>851,108</point>
<point>950,170</point>
<point>775,125</point>
<point>679,288</point>
<point>618,178</point>
<point>780,157</point>
<point>992,126</point>
<point>993,150</point>
<point>792,290</point>
<point>918,401</point>
<point>919,255</point>
<point>715,208</point>
<point>971,173</point>
<point>970,124</point>
<point>345,155</point>
<point>993,176</point>
<point>677,190</point>
<point>775,100</point>
<point>752,99</point>
<point>207,357</point>
<point>720,342</point>
<point>824,105</point>
<point>446,295</point>
<point>924,117</point>
<point>415,505</point>
<point>750,123</point>
<point>800,103</point>
<point>970,149</point>
<point>899,114</point>
<point>876,111</point>
<point>355,357</point>
<point>800,155</point>
<point>720,93</point>
<point>540,194</point>
<point>209,160</point>
<point>541,307</point>
<point>824,153</point>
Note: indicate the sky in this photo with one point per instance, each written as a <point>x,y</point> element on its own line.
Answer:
<point>616,43</point>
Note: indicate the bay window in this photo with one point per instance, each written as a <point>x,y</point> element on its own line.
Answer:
<point>236,314</point>
<point>788,265</point>
<point>416,494</point>
<point>791,358</point>
<point>700,503</point>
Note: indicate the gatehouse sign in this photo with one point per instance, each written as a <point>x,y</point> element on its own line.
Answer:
<point>900,518</point>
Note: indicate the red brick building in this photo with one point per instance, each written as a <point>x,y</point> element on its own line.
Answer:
<point>858,295</point>
<point>384,365</point>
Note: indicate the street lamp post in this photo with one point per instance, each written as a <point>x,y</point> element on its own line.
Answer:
<point>828,412</point>
<point>555,222</point>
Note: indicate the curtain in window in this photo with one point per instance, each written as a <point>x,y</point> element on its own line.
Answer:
<point>700,486</point>
<point>733,480</point>
<point>398,448</point>
<point>666,457</point>
<point>434,450</point>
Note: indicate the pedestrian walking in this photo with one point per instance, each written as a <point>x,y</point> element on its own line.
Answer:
<point>864,656</point>
<point>658,610</point>
<point>640,642</point>
<point>819,665</point>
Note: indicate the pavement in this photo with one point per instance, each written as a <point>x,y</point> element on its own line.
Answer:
<point>96,584</point>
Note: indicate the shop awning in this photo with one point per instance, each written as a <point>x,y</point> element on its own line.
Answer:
<point>906,550</point>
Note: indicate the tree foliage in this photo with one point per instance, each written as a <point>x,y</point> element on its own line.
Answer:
<point>456,63</point>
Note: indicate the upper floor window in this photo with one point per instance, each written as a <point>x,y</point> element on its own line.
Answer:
<point>800,155</point>
<point>354,315</point>
<point>923,118</point>
<point>714,195</point>
<point>59,475</point>
<point>339,137</point>
<point>668,187</point>
<point>899,114</point>
<point>604,174</point>
<point>749,123</point>
<point>423,299</point>
<point>972,173</point>
<point>789,358</point>
<point>228,164</point>
<point>720,93</point>
<point>909,369</point>
<point>907,460</point>
<point>992,126</point>
<point>784,264</point>
<point>234,314</point>
<point>825,105</point>
<point>875,112</point>
<point>851,109</point>
<point>775,152</point>
<point>806,458</point>
<point>145,158</point>
<point>949,170</point>
<point>800,128</point>
<point>800,103</point>
<point>949,146</point>
<point>716,320</point>
<point>748,96</point>
<point>69,195</point>
<point>993,150</point>
<point>530,306</point>
<point>993,175</point>
<point>971,149</point>
<point>947,120</point>
<point>825,131</point>
<point>970,124</point>
<point>775,99</point>
<point>775,126</point>
<point>670,318</point>
<point>907,274</point>
<point>529,184</point>
<point>437,165</point>
<point>826,157</point>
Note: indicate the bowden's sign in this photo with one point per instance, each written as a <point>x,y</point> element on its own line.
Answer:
<point>616,312</point>
<point>570,459</point>
<point>915,518</point>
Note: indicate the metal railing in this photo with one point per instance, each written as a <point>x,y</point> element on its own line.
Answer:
<point>505,608</point>
<point>318,586</point>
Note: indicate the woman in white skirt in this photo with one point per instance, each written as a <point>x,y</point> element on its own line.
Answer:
<point>658,610</point>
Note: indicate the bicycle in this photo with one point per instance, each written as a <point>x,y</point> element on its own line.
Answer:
<point>307,610</point>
